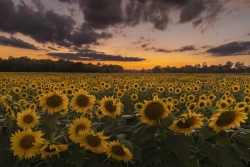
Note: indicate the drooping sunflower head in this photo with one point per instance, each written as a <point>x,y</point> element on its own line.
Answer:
<point>79,124</point>
<point>187,122</point>
<point>92,141</point>
<point>27,119</point>
<point>119,152</point>
<point>82,101</point>
<point>22,143</point>
<point>227,119</point>
<point>46,148</point>
<point>54,102</point>
<point>153,111</point>
<point>110,107</point>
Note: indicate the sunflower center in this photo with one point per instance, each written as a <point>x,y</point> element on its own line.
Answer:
<point>118,150</point>
<point>188,123</point>
<point>192,107</point>
<point>79,128</point>
<point>82,101</point>
<point>27,142</point>
<point>110,107</point>
<point>247,100</point>
<point>47,149</point>
<point>223,105</point>
<point>202,104</point>
<point>241,105</point>
<point>28,119</point>
<point>154,110</point>
<point>93,141</point>
<point>226,119</point>
<point>54,101</point>
<point>139,106</point>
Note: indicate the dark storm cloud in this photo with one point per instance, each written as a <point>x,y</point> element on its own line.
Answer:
<point>91,55</point>
<point>39,5</point>
<point>14,42</point>
<point>185,48</point>
<point>46,26</point>
<point>102,13</point>
<point>231,49</point>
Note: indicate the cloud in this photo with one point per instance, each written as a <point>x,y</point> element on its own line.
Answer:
<point>91,55</point>
<point>101,14</point>
<point>14,42</point>
<point>160,50</point>
<point>144,45</point>
<point>39,5</point>
<point>52,48</point>
<point>231,49</point>
<point>185,48</point>
<point>46,26</point>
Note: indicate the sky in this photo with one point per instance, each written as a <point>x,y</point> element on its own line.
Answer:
<point>135,34</point>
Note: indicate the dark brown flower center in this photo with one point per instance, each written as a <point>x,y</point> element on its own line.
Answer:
<point>192,106</point>
<point>93,141</point>
<point>54,101</point>
<point>110,107</point>
<point>201,104</point>
<point>154,110</point>
<point>118,150</point>
<point>241,105</point>
<point>223,105</point>
<point>139,106</point>
<point>47,149</point>
<point>27,142</point>
<point>188,123</point>
<point>79,128</point>
<point>226,118</point>
<point>28,119</point>
<point>82,100</point>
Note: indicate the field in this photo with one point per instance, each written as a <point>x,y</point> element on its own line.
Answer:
<point>130,120</point>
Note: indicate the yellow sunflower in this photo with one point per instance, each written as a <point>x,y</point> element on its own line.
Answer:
<point>134,96</point>
<point>138,105</point>
<point>17,90</point>
<point>222,104</point>
<point>78,125</point>
<point>49,149</point>
<point>187,122</point>
<point>202,104</point>
<point>119,152</point>
<point>22,143</point>
<point>110,107</point>
<point>153,111</point>
<point>54,102</point>
<point>227,119</point>
<point>94,142</point>
<point>27,119</point>
<point>82,101</point>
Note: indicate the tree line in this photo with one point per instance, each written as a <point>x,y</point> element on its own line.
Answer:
<point>25,64</point>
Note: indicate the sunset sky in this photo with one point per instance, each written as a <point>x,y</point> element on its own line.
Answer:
<point>135,34</point>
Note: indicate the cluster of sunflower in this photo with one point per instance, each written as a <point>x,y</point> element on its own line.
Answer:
<point>117,115</point>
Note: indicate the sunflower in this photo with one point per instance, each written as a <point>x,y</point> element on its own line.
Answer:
<point>82,101</point>
<point>247,108</point>
<point>119,152</point>
<point>27,119</point>
<point>235,88</point>
<point>222,104</point>
<point>230,100</point>
<point>177,90</point>
<point>241,104</point>
<point>94,142</point>
<point>227,119</point>
<point>17,90</point>
<point>54,102</point>
<point>247,91</point>
<point>22,143</point>
<point>49,149</point>
<point>202,104</point>
<point>153,111</point>
<point>134,97</point>
<point>187,122</point>
<point>191,97</point>
<point>192,106</point>
<point>247,99</point>
<point>78,125</point>
<point>138,105</point>
<point>110,107</point>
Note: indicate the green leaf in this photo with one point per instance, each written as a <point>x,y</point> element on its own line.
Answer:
<point>206,131</point>
<point>143,134</point>
<point>50,120</point>
<point>94,161</point>
<point>153,155</point>
<point>242,151</point>
<point>221,154</point>
<point>13,127</point>
<point>171,160</point>
<point>129,145</point>
<point>243,137</point>
<point>180,145</point>
<point>137,155</point>
<point>117,164</point>
<point>168,120</point>
<point>77,155</point>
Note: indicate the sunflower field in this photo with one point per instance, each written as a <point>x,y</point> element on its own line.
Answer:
<point>124,120</point>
